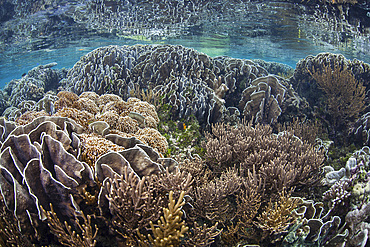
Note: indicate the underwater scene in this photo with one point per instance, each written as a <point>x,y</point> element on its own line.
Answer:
<point>185,123</point>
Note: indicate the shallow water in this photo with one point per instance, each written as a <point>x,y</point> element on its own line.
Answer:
<point>272,31</point>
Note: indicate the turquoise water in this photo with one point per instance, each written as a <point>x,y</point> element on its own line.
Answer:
<point>275,31</point>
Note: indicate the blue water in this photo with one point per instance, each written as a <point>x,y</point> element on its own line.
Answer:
<point>273,31</point>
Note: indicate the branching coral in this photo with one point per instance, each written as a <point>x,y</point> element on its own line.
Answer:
<point>277,217</point>
<point>211,201</point>
<point>281,160</point>
<point>69,237</point>
<point>132,203</point>
<point>170,228</point>
<point>202,236</point>
<point>344,94</point>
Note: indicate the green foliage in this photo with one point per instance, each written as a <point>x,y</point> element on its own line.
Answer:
<point>180,134</point>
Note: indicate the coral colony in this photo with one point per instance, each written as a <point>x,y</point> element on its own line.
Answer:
<point>161,145</point>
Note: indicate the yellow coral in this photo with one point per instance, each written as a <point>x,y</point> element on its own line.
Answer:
<point>277,217</point>
<point>170,227</point>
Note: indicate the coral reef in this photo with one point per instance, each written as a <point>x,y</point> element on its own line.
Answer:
<point>281,160</point>
<point>266,98</point>
<point>190,88</point>
<point>106,169</point>
<point>335,88</point>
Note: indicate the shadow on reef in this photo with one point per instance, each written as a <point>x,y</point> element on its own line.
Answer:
<point>159,145</point>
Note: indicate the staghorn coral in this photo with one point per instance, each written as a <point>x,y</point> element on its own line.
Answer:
<point>306,130</point>
<point>10,234</point>
<point>202,236</point>
<point>197,167</point>
<point>132,203</point>
<point>211,200</point>
<point>175,181</point>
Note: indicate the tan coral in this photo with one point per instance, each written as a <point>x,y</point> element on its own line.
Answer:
<point>83,118</point>
<point>93,146</point>
<point>106,98</point>
<point>110,117</point>
<point>29,116</point>
<point>153,138</point>
<point>119,106</point>
<point>143,108</point>
<point>151,122</point>
<point>65,99</point>
<point>86,104</point>
<point>90,95</point>
<point>127,125</point>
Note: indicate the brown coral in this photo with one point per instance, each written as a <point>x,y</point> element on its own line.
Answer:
<point>65,99</point>
<point>279,160</point>
<point>133,203</point>
<point>344,95</point>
